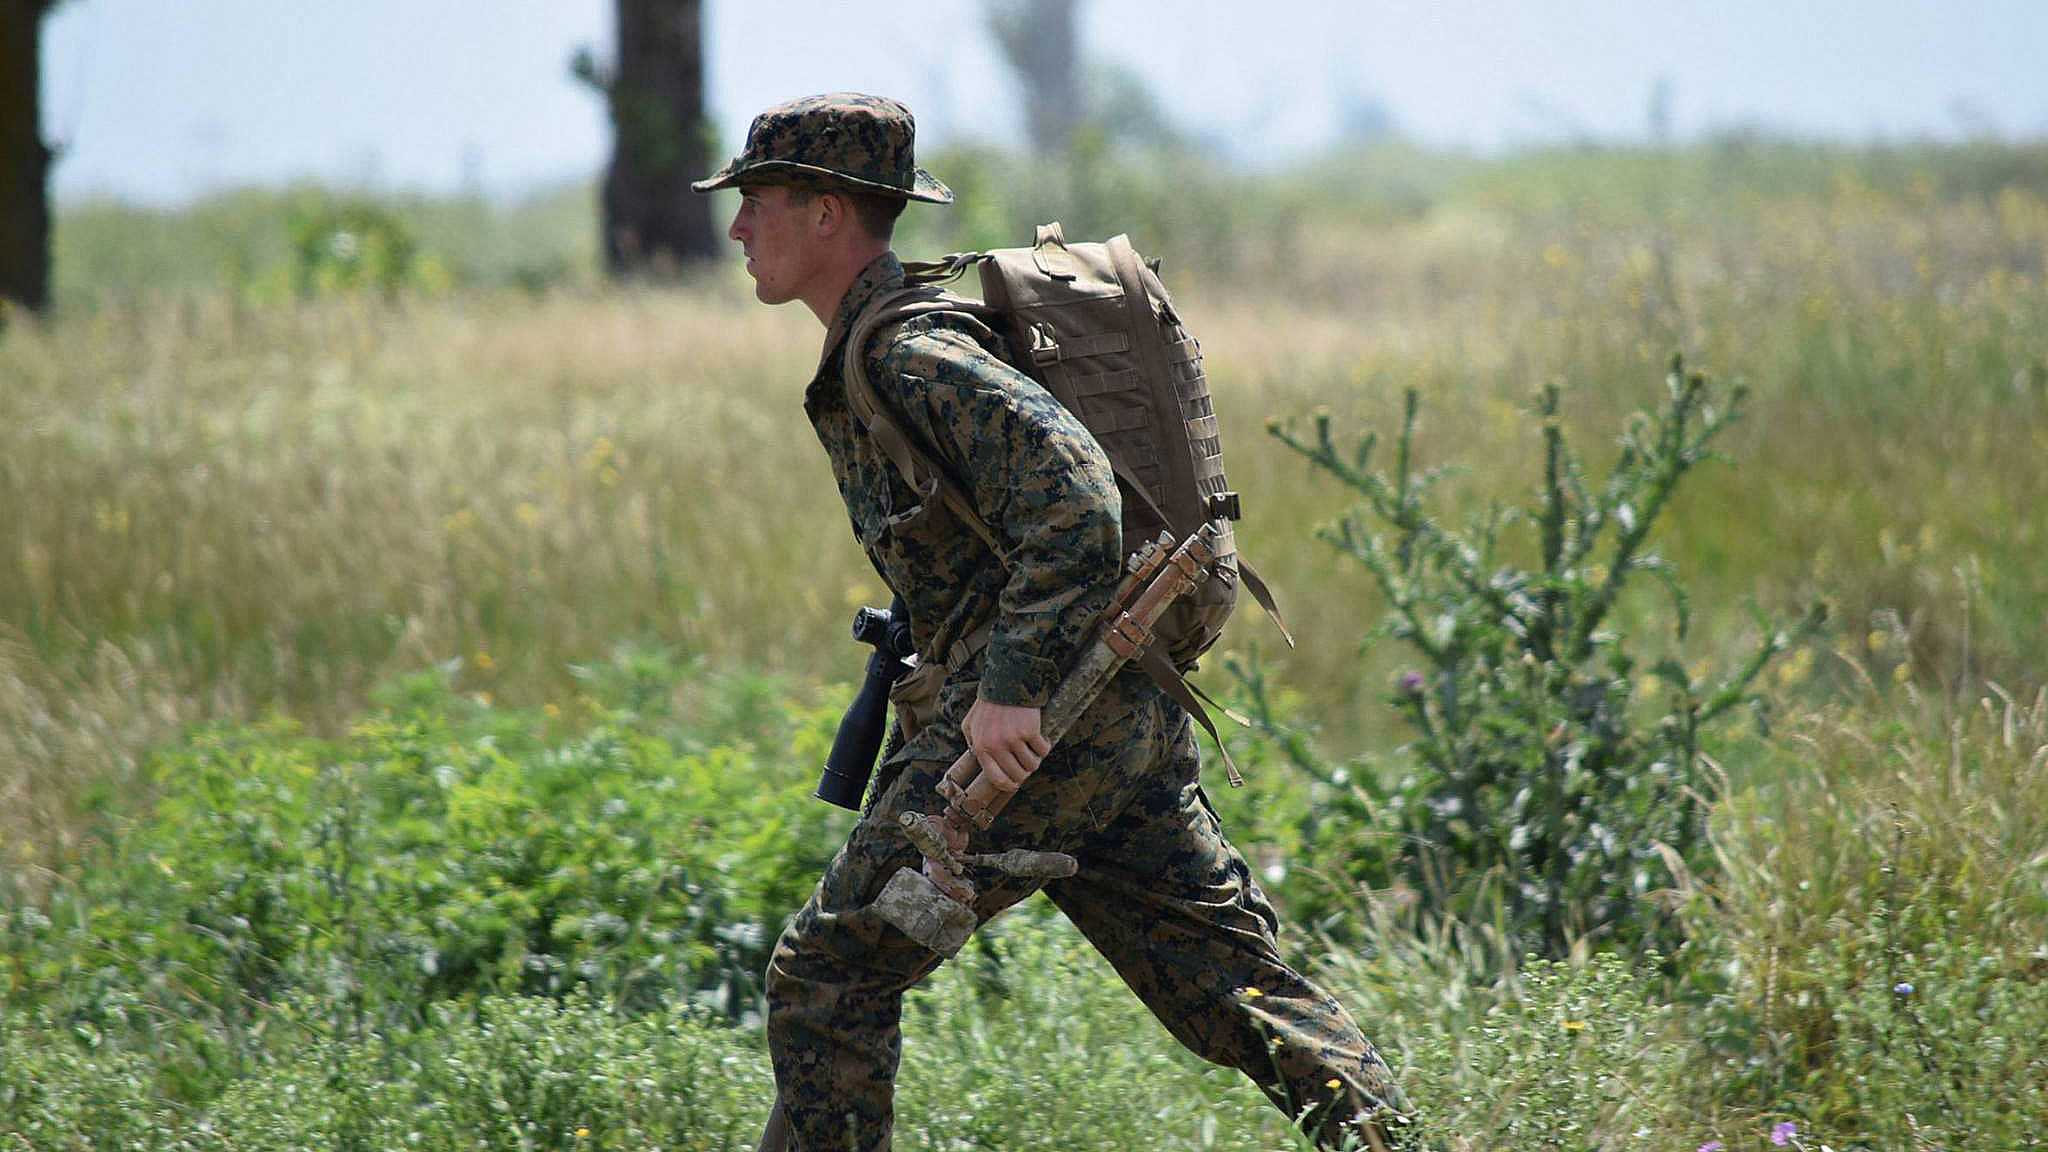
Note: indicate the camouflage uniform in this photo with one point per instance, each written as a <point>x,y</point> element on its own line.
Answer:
<point>1161,893</point>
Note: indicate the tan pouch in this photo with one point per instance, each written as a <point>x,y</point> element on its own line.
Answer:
<point>916,696</point>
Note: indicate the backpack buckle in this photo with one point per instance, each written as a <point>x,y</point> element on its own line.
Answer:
<point>1222,506</point>
<point>1044,349</point>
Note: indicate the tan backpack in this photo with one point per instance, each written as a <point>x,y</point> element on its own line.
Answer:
<point>1094,325</point>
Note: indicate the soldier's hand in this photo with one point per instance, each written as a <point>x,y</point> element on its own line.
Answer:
<point>1006,740</point>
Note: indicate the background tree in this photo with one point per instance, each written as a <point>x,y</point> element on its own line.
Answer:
<point>661,139</point>
<point>24,158</point>
<point>1042,43</point>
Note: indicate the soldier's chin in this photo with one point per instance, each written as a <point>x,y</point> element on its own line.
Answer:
<point>765,292</point>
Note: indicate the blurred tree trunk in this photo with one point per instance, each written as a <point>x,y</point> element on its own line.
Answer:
<point>24,158</point>
<point>653,223</point>
<point>1042,44</point>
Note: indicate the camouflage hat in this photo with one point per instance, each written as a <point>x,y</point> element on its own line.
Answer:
<point>841,138</point>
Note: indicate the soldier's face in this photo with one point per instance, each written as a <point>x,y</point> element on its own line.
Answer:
<point>777,236</point>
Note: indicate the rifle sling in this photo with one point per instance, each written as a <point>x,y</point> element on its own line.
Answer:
<point>1170,681</point>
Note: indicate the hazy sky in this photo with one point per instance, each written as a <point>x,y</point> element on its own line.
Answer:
<point>158,101</point>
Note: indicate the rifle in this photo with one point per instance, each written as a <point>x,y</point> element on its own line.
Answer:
<point>934,906</point>
<point>852,760</point>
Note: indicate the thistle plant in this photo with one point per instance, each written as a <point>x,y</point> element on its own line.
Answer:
<point>1541,785</point>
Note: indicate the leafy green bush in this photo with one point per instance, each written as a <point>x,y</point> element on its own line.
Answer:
<point>71,1089</point>
<point>250,242</point>
<point>244,970</point>
<point>443,848</point>
<point>356,246</point>
<point>1539,780</point>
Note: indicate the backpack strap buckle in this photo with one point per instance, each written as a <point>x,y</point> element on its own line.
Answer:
<point>1044,349</point>
<point>944,270</point>
<point>1222,506</point>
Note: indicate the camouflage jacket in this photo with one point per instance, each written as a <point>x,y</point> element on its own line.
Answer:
<point>1036,476</point>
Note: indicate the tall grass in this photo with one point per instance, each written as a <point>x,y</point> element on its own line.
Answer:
<point>213,505</point>
<point>1880,919</point>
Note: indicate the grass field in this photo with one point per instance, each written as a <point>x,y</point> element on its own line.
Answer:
<point>220,507</point>
<point>219,502</point>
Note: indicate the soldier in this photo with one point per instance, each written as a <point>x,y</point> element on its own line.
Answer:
<point>1160,891</point>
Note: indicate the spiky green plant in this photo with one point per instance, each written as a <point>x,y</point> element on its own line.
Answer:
<point>1539,775</point>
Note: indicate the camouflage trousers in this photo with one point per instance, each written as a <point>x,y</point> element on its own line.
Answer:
<point>1161,893</point>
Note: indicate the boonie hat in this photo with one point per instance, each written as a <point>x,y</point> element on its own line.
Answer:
<point>842,138</point>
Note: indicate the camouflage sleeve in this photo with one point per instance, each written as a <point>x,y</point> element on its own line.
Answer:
<point>1039,480</point>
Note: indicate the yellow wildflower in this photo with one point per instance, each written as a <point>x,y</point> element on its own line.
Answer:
<point>1575,1025</point>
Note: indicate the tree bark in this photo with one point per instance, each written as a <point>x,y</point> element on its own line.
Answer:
<point>1042,43</point>
<point>653,223</point>
<point>24,158</point>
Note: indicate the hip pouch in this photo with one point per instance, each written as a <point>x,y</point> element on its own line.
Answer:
<point>915,697</point>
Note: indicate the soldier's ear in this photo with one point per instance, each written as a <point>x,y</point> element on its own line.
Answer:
<point>834,211</point>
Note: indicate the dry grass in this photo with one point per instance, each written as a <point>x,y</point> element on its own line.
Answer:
<point>211,510</point>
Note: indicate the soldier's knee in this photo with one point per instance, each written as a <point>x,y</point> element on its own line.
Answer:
<point>834,956</point>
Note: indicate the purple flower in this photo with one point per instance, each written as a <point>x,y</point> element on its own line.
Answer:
<point>1903,988</point>
<point>1782,1132</point>
<point>1411,683</point>
<point>1712,1146</point>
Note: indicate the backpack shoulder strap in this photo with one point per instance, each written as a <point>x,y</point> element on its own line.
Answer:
<point>919,470</point>
<point>921,297</point>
